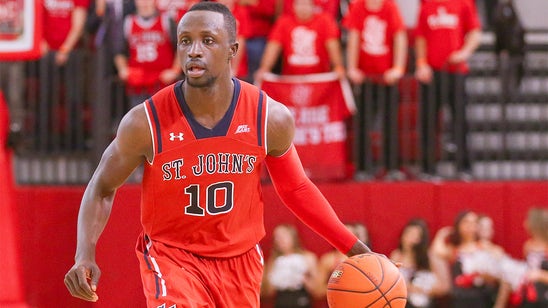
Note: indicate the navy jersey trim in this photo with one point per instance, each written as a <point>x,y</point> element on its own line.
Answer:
<point>221,128</point>
<point>146,256</point>
<point>259,118</point>
<point>157,124</point>
<point>179,93</point>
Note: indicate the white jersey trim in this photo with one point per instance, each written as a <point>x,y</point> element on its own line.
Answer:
<point>150,162</point>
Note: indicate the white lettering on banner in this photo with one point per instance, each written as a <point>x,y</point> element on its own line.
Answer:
<point>311,115</point>
<point>328,132</point>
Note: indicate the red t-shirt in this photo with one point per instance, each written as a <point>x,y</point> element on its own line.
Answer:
<point>330,7</point>
<point>57,20</point>
<point>202,191</point>
<point>444,24</point>
<point>377,30</point>
<point>150,48</point>
<point>241,14</point>
<point>261,18</point>
<point>304,43</point>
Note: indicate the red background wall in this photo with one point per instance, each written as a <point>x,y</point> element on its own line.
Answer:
<point>46,223</point>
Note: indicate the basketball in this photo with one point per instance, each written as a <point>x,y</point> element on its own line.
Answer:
<point>366,280</point>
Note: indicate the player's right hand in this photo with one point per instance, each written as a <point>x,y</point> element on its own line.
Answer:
<point>81,281</point>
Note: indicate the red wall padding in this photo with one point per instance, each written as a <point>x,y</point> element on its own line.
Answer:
<point>11,287</point>
<point>47,227</point>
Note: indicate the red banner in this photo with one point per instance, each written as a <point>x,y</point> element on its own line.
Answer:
<point>20,29</point>
<point>321,104</point>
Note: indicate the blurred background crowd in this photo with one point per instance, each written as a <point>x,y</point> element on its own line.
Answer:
<point>442,89</point>
<point>458,266</point>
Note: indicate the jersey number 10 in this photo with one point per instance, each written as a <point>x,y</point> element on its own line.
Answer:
<point>214,192</point>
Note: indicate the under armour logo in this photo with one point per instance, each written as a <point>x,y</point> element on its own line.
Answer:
<point>172,136</point>
<point>242,129</point>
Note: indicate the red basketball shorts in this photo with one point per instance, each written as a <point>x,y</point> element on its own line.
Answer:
<point>173,277</point>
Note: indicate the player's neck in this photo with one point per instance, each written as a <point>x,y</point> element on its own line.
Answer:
<point>209,104</point>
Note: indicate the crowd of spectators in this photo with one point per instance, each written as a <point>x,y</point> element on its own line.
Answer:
<point>364,41</point>
<point>460,266</point>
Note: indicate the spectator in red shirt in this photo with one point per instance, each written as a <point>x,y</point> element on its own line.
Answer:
<point>148,61</point>
<point>241,14</point>
<point>448,32</point>
<point>308,42</point>
<point>330,7</point>
<point>64,21</point>
<point>262,15</point>
<point>376,53</point>
<point>61,71</point>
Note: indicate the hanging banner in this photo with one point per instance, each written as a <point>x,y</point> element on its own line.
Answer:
<point>20,29</point>
<point>321,105</point>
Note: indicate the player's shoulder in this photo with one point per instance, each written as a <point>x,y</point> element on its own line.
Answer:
<point>161,97</point>
<point>278,113</point>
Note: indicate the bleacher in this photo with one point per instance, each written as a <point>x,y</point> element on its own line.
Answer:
<point>63,139</point>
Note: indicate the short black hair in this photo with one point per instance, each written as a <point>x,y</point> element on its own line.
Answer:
<point>230,21</point>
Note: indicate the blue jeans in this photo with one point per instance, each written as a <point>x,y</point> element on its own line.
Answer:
<point>255,49</point>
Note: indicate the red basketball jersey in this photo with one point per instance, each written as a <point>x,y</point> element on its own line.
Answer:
<point>202,191</point>
<point>58,20</point>
<point>150,47</point>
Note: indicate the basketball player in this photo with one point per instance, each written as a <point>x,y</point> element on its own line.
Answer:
<point>202,141</point>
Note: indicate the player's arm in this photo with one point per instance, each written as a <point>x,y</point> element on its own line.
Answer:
<point>132,145</point>
<point>296,190</point>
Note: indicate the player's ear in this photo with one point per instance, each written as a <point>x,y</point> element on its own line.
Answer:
<point>233,50</point>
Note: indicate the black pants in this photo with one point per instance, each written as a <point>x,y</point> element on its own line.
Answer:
<point>445,88</point>
<point>377,101</point>
<point>293,299</point>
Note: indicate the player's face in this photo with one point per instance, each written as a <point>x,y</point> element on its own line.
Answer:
<point>203,47</point>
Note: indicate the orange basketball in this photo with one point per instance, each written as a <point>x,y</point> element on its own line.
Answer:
<point>366,280</point>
